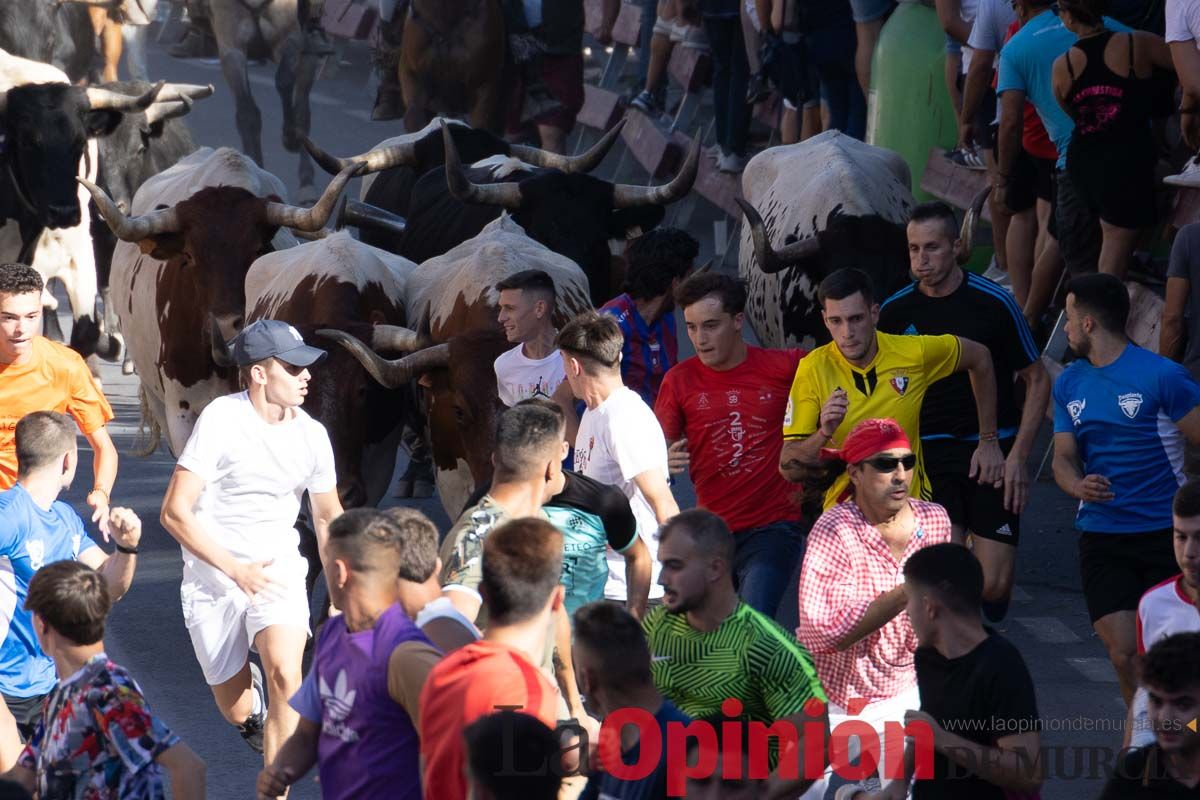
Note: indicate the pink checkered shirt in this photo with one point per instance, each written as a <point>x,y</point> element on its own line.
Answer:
<point>846,566</point>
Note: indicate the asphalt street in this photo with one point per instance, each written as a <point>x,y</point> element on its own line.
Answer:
<point>1077,690</point>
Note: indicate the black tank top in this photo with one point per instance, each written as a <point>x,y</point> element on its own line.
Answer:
<point>1111,111</point>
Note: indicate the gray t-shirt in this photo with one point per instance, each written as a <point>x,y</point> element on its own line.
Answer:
<point>992,19</point>
<point>1185,263</point>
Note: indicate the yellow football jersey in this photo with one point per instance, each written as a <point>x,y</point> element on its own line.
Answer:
<point>892,386</point>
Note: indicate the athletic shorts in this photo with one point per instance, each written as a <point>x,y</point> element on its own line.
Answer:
<point>1118,568</point>
<point>868,10</point>
<point>223,622</point>
<point>27,711</point>
<point>976,507</point>
<point>1032,179</point>
<point>1076,226</point>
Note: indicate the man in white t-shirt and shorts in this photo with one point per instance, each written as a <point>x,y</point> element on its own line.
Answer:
<point>619,441</point>
<point>232,504</point>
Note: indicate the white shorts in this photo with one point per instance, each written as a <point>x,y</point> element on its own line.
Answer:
<point>223,622</point>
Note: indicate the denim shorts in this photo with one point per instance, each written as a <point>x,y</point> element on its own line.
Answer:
<point>868,10</point>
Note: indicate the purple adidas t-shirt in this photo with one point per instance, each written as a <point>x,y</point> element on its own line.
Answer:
<point>368,745</point>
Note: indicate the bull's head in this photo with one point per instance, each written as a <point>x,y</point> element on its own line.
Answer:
<point>215,235</point>
<point>573,214</point>
<point>460,390</point>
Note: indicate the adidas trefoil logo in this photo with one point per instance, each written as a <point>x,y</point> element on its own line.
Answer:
<point>338,704</point>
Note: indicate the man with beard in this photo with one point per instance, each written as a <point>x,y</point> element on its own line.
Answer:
<point>1121,417</point>
<point>1174,605</point>
<point>713,656</point>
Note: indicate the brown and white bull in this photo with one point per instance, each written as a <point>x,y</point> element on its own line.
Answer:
<point>452,302</point>
<point>178,274</point>
<point>826,203</point>
<point>340,283</point>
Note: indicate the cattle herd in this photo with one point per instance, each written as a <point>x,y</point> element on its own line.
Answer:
<point>166,250</point>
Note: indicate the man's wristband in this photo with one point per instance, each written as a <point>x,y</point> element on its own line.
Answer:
<point>990,436</point>
<point>103,491</point>
<point>129,551</point>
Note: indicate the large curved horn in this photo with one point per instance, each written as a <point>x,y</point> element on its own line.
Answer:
<point>970,225</point>
<point>395,338</point>
<point>220,348</point>
<point>375,160</point>
<point>625,196</point>
<point>584,162</point>
<point>132,229</point>
<point>161,112</point>
<point>365,215</point>
<point>392,374</point>
<point>506,195</point>
<point>106,99</point>
<point>173,92</point>
<point>771,260</point>
<point>311,219</point>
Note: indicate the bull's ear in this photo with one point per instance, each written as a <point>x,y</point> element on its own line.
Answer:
<point>162,246</point>
<point>626,220</point>
<point>101,122</point>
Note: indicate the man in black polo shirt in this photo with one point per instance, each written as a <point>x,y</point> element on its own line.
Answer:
<point>947,299</point>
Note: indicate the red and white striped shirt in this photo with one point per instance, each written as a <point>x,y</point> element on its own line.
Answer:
<point>1164,610</point>
<point>846,566</point>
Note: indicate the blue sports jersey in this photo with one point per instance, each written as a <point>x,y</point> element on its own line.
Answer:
<point>1026,65</point>
<point>1123,417</point>
<point>30,538</point>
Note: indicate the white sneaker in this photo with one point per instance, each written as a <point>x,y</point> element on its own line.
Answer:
<point>731,163</point>
<point>1190,175</point>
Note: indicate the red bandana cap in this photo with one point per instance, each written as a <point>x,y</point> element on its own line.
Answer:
<point>867,438</point>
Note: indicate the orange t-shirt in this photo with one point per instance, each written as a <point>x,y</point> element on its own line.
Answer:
<point>55,378</point>
<point>470,683</point>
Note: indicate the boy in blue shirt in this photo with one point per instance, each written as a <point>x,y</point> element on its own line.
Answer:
<point>36,528</point>
<point>1121,418</point>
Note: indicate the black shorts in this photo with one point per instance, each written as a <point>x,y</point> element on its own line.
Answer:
<point>1118,568</point>
<point>1076,226</point>
<point>27,711</point>
<point>971,505</point>
<point>1032,179</point>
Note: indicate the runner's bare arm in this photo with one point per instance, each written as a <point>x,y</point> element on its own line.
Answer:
<point>1068,472</point>
<point>987,463</point>
<point>1187,65</point>
<point>882,610</point>
<point>292,762</point>
<point>1170,329</point>
<point>979,75</point>
<point>185,770</point>
<point>800,457</point>
<point>638,568</point>
<point>564,665</point>
<point>1012,764</point>
<point>104,469</point>
<point>326,507</point>
<point>117,568</point>
<point>1189,426</point>
<point>1008,141</point>
<point>1016,475</point>
<point>468,603</point>
<point>566,401</point>
<point>658,494</point>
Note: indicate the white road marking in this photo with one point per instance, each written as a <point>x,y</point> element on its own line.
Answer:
<point>1050,630</point>
<point>1099,670</point>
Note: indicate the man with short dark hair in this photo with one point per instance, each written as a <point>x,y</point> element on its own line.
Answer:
<point>1172,606</point>
<point>508,758</point>
<point>655,263</point>
<point>619,441</point>
<point>37,374</point>
<point>364,747</point>
<point>864,374</point>
<point>722,412</point>
<point>96,736</point>
<point>947,299</point>
<point>708,647</point>
<point>1170,767</point>
<point>232,505</point>
<point>522,562</point>
<point>1121,418</point>
<point>419,583</point>
<point>612,663</point>
<point>532,368</point>
<point>36,529</point>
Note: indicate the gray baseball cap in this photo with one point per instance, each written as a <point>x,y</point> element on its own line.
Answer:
<point>272,338</point>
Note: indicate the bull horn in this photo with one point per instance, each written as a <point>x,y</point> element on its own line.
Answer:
<point>970,225</point>
<point>625,196</point>
<point>395,338</point>
<point>584,162</point>
<point>105,99</point>
<point>375,160</point>
<point>392,374</point>
<point>100,3</point>
<point>174,92</point>
<point>771,260</point>
<point>365,215</point>
<point>311,219</point>
<point>506,195</point>
<point>161,112</point>
<point>220,348</point>
<point>132,229</point>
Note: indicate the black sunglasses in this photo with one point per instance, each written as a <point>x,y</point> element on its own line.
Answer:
<point>889,463</point>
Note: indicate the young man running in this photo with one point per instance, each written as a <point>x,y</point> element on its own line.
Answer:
<point>232,504</point>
